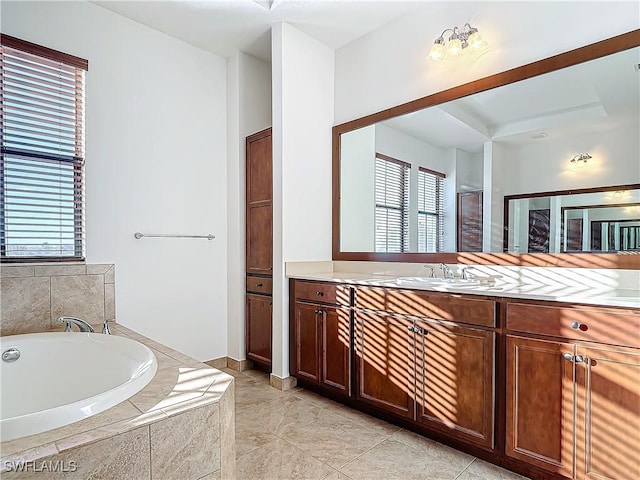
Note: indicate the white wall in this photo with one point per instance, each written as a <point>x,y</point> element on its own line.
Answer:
<point>388,67</point>
<point>155,163</point>
<point>248,112</point>
<point>302,118</point>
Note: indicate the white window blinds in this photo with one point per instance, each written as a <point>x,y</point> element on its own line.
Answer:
<point>392,205</point>
<point>42,137</point>
<point>430,210</point>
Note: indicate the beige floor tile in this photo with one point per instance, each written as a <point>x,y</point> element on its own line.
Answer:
<point>480,470</point>
<point>360,418</point>
<point>250,394</point>
<point>333,439</point>
<point>431,448</point>
<point>393,460</point>
<point>280,460</point>
<point>337,476</point>
<point>250,435</point>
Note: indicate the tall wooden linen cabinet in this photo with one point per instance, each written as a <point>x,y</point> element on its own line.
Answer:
<point>259,248</point>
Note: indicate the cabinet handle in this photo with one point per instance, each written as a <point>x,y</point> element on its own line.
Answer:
<point>320,294</point>
<point>258,284</point>
<point>573,358</point>
<point>271,304</point>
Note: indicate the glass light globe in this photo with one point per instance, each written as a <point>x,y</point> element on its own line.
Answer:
<point>476,43</point>
<point>454,49</point>
<point>437,52</point>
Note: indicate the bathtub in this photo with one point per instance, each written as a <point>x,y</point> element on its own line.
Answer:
<point>61,378</point>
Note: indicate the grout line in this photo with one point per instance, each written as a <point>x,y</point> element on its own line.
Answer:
<point>465,468</point>
<point>150,456</point>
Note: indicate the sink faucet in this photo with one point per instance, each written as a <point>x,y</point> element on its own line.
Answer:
<point>446,271</point>
<point>78,322</point>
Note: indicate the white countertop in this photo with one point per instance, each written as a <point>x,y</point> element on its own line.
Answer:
<point>531,291</point>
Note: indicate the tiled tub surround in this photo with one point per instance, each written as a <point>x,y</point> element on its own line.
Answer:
<point>180,426</point>
<point>597,286</point>
<point>33,296</point>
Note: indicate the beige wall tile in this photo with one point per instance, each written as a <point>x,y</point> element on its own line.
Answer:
<point>78,296</point>
<point>186,445</point>
<point>228,434</point>
<point>17,271</point>
<point>110,275</point>
<point>109,301</point>
<point>239,365</point>
<point>98,268</point>
<point>51,270</point>
<point>25,305</point>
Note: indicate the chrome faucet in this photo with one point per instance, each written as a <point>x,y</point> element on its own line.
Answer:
<point>446,271</point>
<point>78,322</point>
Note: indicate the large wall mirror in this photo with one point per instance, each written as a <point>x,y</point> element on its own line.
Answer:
<point>532,166</point>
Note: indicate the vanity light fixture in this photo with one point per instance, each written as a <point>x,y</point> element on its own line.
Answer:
<point>580,160</point>
<point>467,40</point>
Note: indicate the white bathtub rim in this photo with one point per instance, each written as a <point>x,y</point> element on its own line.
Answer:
<point>49,419</point>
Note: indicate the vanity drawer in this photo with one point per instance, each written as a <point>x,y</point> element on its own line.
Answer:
<point>592,324</point>
<point>452,307</point>
<point>323,292</point>
<point>259,285</point>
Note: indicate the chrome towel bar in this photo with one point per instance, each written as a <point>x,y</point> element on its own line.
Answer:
<point>139,235</point>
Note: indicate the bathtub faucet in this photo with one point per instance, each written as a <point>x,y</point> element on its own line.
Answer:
<point>78,322</point>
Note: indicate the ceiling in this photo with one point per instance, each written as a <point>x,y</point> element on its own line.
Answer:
<point>589,97</point>
<point>225,26</point>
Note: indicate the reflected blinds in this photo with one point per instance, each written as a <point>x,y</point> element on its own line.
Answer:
<point>430,210</point>
<point>392,205</point>
<point>42,137</point>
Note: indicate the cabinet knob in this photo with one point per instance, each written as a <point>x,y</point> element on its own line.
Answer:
<point>568,356</point>
<point>258,284</point>
<point>579,326</point>
<point>320,294</point>
<point>573,358</point>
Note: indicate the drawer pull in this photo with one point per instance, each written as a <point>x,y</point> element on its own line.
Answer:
<point>258,285</point>
<point>320,294</point>
<point>579,326</point>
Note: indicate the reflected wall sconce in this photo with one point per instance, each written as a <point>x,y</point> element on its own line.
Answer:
<point>465,41</point>
<point>580,160</point>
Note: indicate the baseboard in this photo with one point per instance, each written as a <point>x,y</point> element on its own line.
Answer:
<point>239,365</point>
<point>282,383</point>
<point>218,363</point>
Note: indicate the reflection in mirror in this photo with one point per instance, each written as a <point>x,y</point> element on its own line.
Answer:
<point>503,142</point>
<point>571,222</point>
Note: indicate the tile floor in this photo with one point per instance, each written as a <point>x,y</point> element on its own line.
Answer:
<point>297,434</point>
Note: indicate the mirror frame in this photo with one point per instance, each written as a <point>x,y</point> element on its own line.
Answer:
<point>625,260</point>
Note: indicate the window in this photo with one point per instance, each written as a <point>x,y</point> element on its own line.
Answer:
<point>42,162</point>
<point>430,216</point>
<point>392,205</point>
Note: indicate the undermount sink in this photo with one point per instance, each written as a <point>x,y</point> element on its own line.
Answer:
<point>439,282</point>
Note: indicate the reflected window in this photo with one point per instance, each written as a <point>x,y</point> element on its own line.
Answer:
<point>392,205</point>
<point>430,210</point>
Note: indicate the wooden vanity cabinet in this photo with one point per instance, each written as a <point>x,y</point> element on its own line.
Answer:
<point>320,327</point>
<point>424,363</point>
<point>573,390</point>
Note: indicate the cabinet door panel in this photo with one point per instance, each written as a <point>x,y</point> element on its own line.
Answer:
<point>456,381</point>
<point>385,362</point>
<point>259,167</point>
<point>259,239</point>
<point>540,398</point>
<point>307,342</point>
<point>335,349</point>
<point>258,329</point>
<point>608,418</point>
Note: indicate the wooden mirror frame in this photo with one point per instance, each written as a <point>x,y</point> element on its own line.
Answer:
<point>626,260</point>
